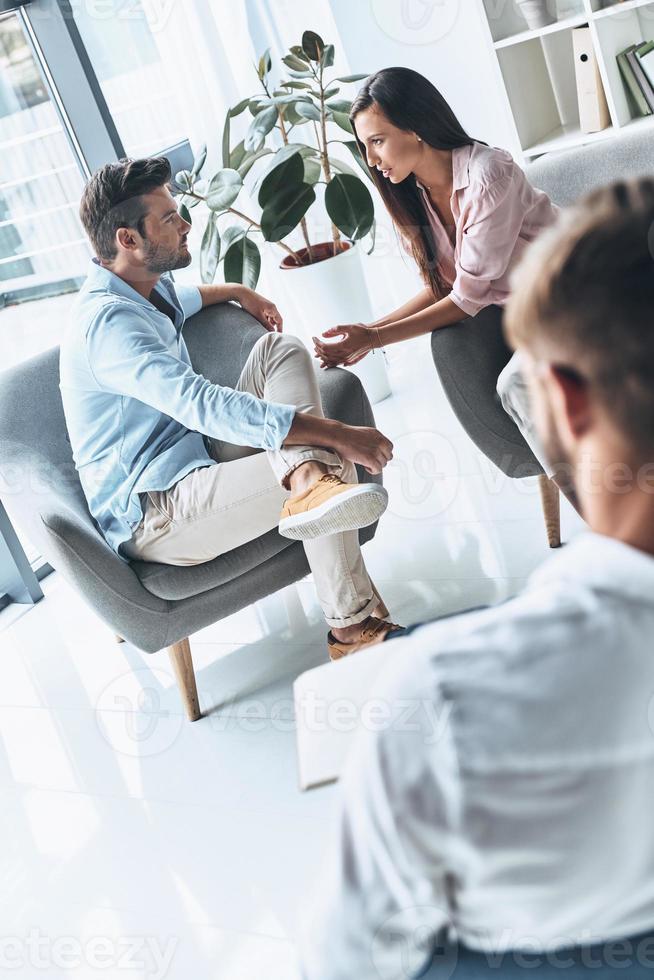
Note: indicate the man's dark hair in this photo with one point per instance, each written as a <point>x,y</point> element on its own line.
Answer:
<point>113,199</point>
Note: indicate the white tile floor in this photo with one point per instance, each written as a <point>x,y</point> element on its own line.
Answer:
<point>131,838</point>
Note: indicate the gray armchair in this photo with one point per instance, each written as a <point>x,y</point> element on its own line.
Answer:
<point>151,605</point>
<point>470,355</point>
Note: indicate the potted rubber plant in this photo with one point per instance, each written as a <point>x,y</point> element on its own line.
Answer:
<point>283,178</point>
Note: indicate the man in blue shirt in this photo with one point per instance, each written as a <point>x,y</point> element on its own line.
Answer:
<point>168,460</point>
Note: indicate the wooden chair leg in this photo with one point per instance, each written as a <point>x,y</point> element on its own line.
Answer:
<point>119,639</point>
<point>551,500</point>
<point>180,657</point>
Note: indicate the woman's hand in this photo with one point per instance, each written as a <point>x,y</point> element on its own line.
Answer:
<point>356,344</point>
<point>261,309</point>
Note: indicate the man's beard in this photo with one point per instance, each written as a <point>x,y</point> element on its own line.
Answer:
<point>159,259</point>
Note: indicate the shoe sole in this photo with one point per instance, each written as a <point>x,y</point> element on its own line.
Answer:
<point>348,511</point>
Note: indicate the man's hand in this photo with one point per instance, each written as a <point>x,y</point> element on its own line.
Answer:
<point>260,308</point>
<point>366,446</point>
<point>358,443</point>
<point>357,342</point>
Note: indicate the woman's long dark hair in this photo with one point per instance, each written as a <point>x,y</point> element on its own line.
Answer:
<point>412,103</point>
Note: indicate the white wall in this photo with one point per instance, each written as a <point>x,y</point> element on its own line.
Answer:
<point>442,39</point>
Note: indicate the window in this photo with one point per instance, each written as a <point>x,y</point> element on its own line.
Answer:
<point>42,246</point>
<point>137,63</point>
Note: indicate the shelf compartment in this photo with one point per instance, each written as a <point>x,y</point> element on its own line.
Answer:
<point>614,34</point>
<point>561,25</point>
<point>507,25</point>
<point>539,78</point>
<point>617,9</point>
<point>564,138</point>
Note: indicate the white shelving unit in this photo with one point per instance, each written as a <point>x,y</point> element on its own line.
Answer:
<point>536,68</point>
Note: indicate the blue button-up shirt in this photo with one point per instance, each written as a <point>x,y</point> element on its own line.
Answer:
<point>135,409</point>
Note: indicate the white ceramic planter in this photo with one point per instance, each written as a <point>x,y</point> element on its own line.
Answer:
<point>536,12</point>
<point>329,293</point>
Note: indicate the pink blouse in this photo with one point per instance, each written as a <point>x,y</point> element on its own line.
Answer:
<point>497,213</point>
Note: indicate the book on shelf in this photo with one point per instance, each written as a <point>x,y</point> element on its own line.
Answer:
<point>645,55</point>
<point>593,108</point>
<point>641,78</point>
<point>641,103</point>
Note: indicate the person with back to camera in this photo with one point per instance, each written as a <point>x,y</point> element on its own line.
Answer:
<point>508,829</point>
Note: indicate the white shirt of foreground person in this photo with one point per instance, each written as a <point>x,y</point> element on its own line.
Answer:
<point>517,809</point>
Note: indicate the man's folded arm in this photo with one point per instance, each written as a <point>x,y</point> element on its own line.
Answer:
<point>127,357</point>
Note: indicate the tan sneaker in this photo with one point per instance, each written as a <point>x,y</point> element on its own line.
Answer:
<point>330,506</point>
<point>374,631</point>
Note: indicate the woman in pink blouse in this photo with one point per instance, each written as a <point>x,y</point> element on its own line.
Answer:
<point>465,212</point>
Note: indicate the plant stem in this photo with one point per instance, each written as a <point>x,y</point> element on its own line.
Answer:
<point>303,223</point>
<point>255,224</point>
<point>324,155</point>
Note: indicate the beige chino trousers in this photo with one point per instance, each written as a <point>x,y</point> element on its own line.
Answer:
<point>214,509</point>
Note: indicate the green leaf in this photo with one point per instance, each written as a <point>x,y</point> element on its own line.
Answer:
<point>209,251</point>
<point>292,116</point>
<point>327,59</point>
<point>265,64</point>
<point>224,189</point>
<point>281,155</point>
<point>285,212</point>
<point>286,175</point>
<point>243,263</point>
<point>188,202</point>
<point>331,92</point>
<point>312,172</point>
<point>231,234</point>
<point>300,74</point>
<point>183,180</point>
<point>351,78</point>
<point>294,84</point>
<point>353,147</point>
<point>199,161</point>
<point>288,97</point>
<point>342,120</point>
<point>249,161</point>
<point>313,45</point>
<point>259,128</point>
<point>296,49</point>
<point>340,167</point>
<point>308,110</point>
<point>226,140</point>
<point>239,108</point>
<point>237,156</point>
<point>340,105</point>
<point>185,213</point>
<point>258,104</point>
<point>350,205</point>
<point>291,61</point>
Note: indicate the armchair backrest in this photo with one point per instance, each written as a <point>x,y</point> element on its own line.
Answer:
<point>569,175</point>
